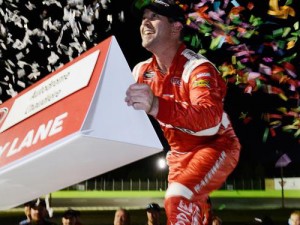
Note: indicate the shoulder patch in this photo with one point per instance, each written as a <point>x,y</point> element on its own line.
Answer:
<point>194,60</point>
<point>201,83</point>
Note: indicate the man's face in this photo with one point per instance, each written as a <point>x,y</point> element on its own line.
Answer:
<point>216,222</point>
<point>38,213</point>
<point>70,220</point>
<point>155,30</point>
<point>27,210</point>
<point>120,218</point>
<point>295,219</point>
<point>153,216</point>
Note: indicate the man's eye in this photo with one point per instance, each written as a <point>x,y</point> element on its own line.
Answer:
<point>155,15</point>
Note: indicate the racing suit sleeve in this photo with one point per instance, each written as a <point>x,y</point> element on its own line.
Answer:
<point>203,108</point>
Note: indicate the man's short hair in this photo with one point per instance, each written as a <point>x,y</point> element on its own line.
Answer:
<point>70,213</point>
<point>38,203</point>
<point>153,207</point>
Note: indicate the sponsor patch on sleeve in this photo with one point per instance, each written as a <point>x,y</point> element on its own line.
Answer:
<point>201,83</point>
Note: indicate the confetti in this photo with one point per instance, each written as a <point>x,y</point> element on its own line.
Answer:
<point>259,53</point>
<point>37,37</point>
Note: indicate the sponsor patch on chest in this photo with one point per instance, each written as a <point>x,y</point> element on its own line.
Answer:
<point>176,81</point>
<point>149,75</point>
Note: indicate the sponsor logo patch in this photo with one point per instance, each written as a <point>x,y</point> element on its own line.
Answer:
<point>201,83</point>
<point>176,81</point>
<point>149,75</point>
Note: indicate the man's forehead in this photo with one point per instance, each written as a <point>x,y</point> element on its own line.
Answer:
<point>146,10</point>
<point>120,212</point>
<point>149,12</point>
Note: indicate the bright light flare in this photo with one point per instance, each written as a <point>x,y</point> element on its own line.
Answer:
<point>161,163</point>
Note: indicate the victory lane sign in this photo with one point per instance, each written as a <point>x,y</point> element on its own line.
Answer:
<point>71,126</point>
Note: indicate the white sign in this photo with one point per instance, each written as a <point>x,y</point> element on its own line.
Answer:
<point>84,129</point>
<point>288,183</point>
<point>59,86</point>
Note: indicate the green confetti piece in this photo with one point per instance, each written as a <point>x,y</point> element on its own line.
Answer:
<point>202,51</point>
<point>297,110</point>
<point>282,109</point>
<point>277,33</point>
<point>248,34</point>
<point>195,41</point>
<point>235,40</point>
<point>268,37</point>
<point>240,66</point>
<point>233,59</point>
<point>296,25</point>
<point>215,43</point>
<point>276,123</point>
<point>283,97</point>
<point>186,38</point>
<point>236,21</point>
<point>296,34</point>
<point>281,44</point>
<point>221,207</point>
<point>292,39</point>
<point>289,128</point>
<point>297,133</point>
<point>258,83</point>
<point>255,21</point>
<point>204,29</point>
<point>238,80</point>
<point>286,31</point>
<point>266,134</point>
<point>141,3</point>
<point>288,59</point>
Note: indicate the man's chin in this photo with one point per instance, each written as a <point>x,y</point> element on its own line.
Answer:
<point>147,45</point>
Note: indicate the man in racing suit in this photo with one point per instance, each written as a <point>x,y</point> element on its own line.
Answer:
<point>184,92</point>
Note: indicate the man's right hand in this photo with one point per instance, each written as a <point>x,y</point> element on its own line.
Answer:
<point>141,97</point>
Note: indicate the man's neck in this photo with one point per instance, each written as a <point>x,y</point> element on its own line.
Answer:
<point>165,56</point>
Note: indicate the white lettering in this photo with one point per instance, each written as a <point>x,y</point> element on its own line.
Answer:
<point>188,214</point>
<point>13,145</point>
<point>57,124</point>
<point>185,208</point>
<point>181,217</point>
<point>211,173</point>
<point>2,149</point>
<point>25,143</point>
<point>31,138</point>
<point>40,104</point>
<point>42,132</point>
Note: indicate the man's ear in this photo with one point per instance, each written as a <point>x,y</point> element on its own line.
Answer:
<point>177,27</point>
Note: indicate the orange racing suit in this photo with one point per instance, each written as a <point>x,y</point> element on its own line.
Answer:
<point>204,147</point>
